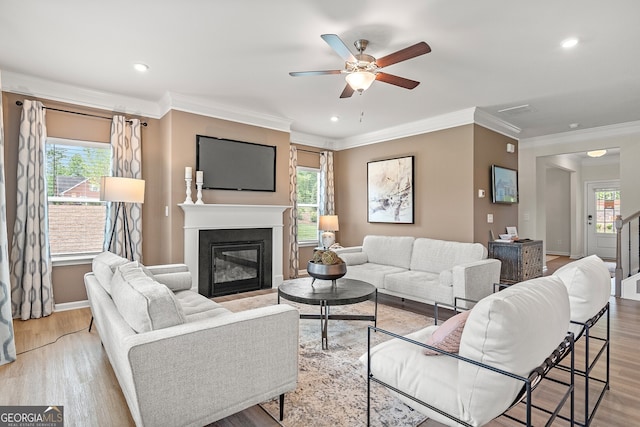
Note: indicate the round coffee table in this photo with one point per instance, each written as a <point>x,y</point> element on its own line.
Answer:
<point>325,294</point>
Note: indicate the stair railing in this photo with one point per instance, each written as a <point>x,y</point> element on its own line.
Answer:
<point>620,223</point>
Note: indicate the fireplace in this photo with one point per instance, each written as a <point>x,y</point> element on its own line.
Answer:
<point>234,260</point>
<point>209,217</point>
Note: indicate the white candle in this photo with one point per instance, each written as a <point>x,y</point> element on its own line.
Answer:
<point>188,172</point>
<point>199,177</point>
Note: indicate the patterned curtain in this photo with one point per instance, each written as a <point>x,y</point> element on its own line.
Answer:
<point>293,223</point>
<point>126,154</point>
<point>32,291</point>
<point>326,202</point>
<point>7,343</point>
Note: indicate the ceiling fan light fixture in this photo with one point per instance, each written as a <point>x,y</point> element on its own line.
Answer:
<point>596,153</point>
<point>360,80</point>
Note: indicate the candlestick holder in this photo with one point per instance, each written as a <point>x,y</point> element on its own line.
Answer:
<point>188,200</point>
<point>199,187</point>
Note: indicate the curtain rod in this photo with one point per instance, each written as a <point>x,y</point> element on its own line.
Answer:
<point>19,103</point>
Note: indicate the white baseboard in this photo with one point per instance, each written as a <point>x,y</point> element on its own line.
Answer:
<point>631,288</point>
<point>71,305</point>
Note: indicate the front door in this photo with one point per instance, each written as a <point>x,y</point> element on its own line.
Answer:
<point>603,205</point>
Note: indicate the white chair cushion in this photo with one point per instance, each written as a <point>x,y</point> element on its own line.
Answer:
<point>389,250</point>
<point>513,330</point>
<point>588,282</point>
<point>437,255</point>
<point>144,304</point>
<point>196,306</point>
<point>431,379</point>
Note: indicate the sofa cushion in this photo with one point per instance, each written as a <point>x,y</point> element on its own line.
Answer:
<point>388,250</point>
<point>144,304</point>
<point>514,330</point>
<point>103,267</point>
<point>437,255</point>
<point>421,285</point>
<point>588,282</point>
<point>354,258</point>
<point>371,273</point>
<point>196,306</point>
<point>447,336</point>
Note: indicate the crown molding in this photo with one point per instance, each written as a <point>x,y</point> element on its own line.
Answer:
<point>41,88</point>
<point>495,124</point>
<point>312,140</point>
<point>431,124</point>
<point>203,107</point>
<point>584,135</point>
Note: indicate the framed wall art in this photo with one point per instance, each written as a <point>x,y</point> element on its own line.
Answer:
<point>390,192</point>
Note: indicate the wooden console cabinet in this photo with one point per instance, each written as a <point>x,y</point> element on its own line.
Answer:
<point>520,261</point>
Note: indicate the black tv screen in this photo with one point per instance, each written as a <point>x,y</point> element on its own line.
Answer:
<point>504,183</point>
<point>235,165</point>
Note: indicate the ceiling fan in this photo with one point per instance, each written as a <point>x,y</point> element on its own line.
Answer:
<point>362,69</point>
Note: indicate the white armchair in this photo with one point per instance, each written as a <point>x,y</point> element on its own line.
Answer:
<point>511,339</point>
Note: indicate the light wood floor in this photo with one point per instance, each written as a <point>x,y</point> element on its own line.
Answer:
<point>76,373</point>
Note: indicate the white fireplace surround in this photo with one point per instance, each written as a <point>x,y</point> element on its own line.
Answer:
<point>213,216</point>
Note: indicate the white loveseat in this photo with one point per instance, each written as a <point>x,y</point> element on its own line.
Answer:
<point>421,269</point>
<point>180,358</point>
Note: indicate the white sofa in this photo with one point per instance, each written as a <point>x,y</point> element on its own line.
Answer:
<point>421,269</point>
<point>513,331</point>
<point>180,358</point>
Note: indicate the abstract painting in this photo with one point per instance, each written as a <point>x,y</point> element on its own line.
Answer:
<point>390,190</point>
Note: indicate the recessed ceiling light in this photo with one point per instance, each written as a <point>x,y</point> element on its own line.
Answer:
<point>334,118</point>
<point>596,153</point>
<point>569,43</point>
<point>574,125</point>
<point>140,67</point>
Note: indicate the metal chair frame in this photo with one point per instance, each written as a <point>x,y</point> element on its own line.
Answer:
<point>529,383</point>
<point>589,364</point>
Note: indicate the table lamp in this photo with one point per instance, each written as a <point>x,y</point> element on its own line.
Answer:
<point>328,224</point>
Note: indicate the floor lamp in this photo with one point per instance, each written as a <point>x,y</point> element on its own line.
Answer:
<point>122,191</point>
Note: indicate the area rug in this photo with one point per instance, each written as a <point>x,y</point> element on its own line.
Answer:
<point>332,384</point>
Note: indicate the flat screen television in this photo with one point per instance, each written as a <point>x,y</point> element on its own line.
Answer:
<point>235,165</point>
<point>504,185</point>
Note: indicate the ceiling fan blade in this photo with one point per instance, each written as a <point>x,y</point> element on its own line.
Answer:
<point>314,73</point>
<point>403,54</point>
<point>397,81</point>
<point>338,45</point>
<point>347,92</point>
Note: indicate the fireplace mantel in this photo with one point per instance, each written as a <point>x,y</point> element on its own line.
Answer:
<point>218,216</point>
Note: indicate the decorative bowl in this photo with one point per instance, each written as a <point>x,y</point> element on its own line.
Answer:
<point>325,271</point>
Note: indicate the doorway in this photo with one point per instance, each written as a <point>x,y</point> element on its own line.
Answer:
<point>602,207</point>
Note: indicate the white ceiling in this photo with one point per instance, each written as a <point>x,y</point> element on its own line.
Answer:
<point>234,56</point>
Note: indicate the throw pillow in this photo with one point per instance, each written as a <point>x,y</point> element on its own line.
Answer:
<point>447,336</point>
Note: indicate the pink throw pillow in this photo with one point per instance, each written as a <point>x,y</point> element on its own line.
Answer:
<point>447,336</point>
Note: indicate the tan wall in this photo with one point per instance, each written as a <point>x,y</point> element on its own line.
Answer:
<point>182,152</point>
<point>68,284</point>
<point>443,185</point>
<point>490,148</point>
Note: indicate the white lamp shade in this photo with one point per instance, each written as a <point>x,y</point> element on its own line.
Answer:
<point>328,223</point>
<point>360,80</point>
<point>118,189</point>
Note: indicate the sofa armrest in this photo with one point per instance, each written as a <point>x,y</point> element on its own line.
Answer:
<point>475,280</point>
<point>348,250</point>
<point>216,366</point>
<point>176,277</point>
<point>167,268</point>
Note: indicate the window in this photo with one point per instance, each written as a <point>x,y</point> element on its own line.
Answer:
<point>76,214</point>
<point>308,184</point>
<point>607,209</point>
